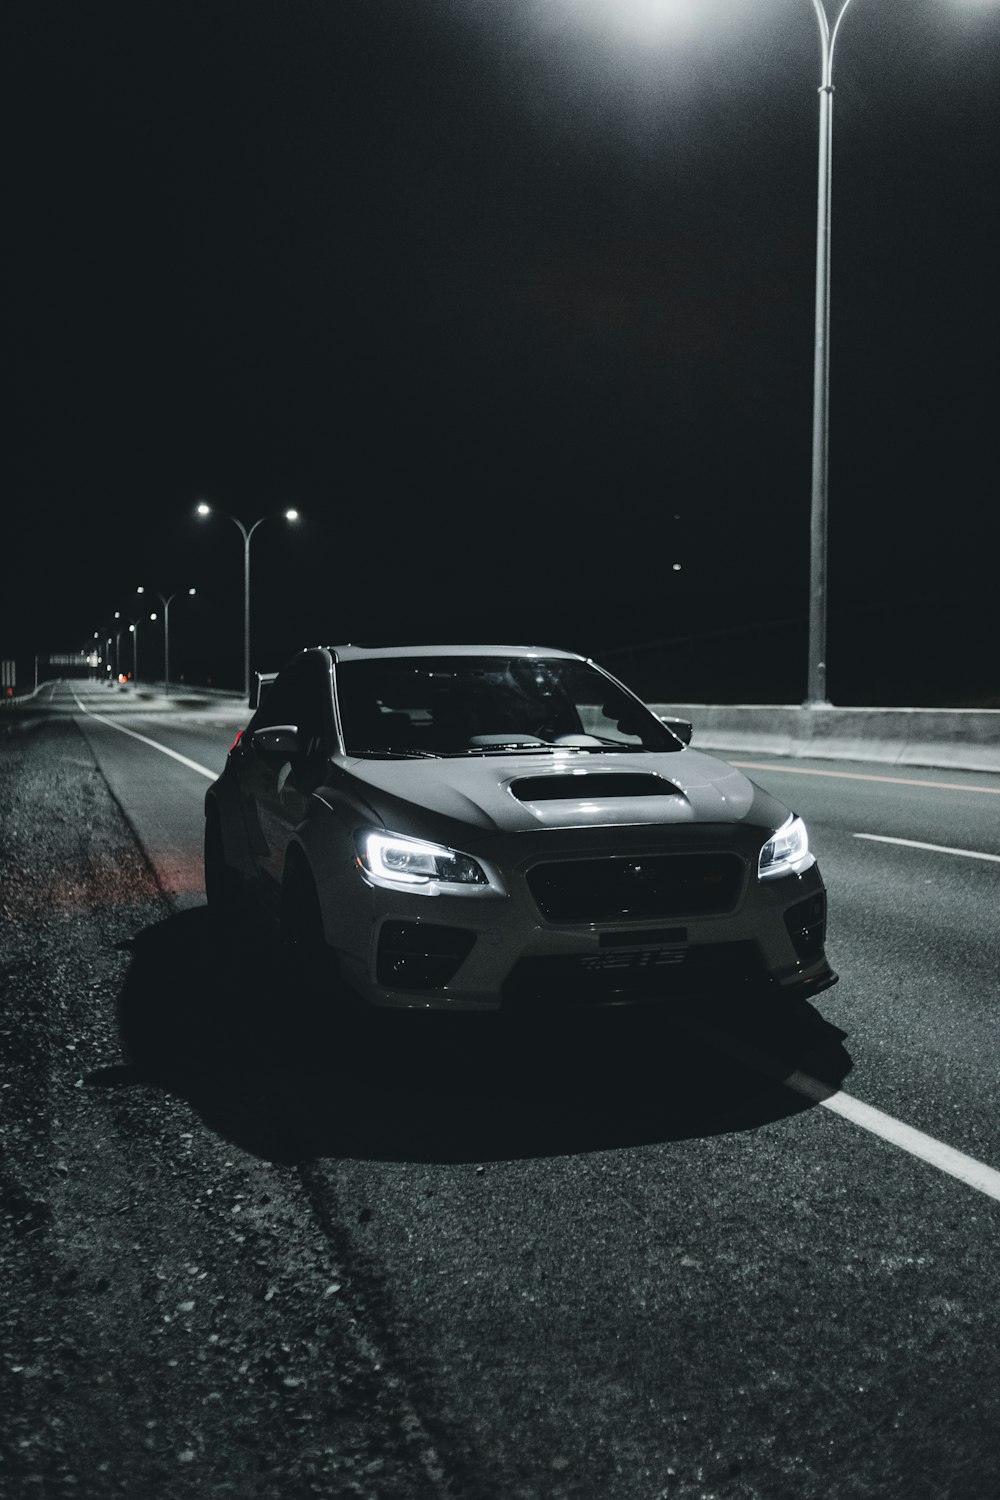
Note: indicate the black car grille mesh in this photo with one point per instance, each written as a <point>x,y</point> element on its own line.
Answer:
<point>420,955</point>
<point>640,888</point>
<point>806,923</point>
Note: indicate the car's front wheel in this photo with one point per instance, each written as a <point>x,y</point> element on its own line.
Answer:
<point>313,963</point>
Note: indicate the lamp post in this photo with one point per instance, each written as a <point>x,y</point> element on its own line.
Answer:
<point>165,600</point>
<point>204,509</point>
<point>118,636</point>
<point>133,631</point>
<point>816,682</point>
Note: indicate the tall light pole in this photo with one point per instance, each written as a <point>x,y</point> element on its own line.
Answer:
<point>135,649</point>
<point>816,684</point>
<point>204,509</point>
<point>133,631</point>
<point>165,600</point>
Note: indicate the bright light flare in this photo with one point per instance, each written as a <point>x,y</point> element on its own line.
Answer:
<point>646,23</point>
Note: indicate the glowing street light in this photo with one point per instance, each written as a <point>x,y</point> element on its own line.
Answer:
<point>133,631</point>
<point>204,509</point>
<point>165,599</point>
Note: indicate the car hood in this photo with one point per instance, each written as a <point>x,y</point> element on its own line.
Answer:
<point>514,793</point>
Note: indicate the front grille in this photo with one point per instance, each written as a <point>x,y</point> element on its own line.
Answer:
<point>420,955</point>
<point>640,973</point>
<point>638,888</point>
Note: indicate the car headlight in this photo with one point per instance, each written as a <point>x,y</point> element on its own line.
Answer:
<point>786,851</point>
<point>392,859</point>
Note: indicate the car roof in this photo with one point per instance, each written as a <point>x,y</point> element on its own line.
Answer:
<point>362,652</point>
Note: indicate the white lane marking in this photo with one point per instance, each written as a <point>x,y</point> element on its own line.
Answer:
<point>884,838</point>
<point>192,765</point>
<point>974,1174</point>
<point>967,1169</point>
<point>941,786</point>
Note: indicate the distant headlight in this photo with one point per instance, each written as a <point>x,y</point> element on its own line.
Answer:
<point>786,852</point>
<point>391,859</point>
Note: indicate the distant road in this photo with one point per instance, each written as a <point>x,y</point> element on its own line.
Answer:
<point>625,1258</point>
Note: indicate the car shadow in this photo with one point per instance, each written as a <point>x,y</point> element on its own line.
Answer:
<point>218,1023</point>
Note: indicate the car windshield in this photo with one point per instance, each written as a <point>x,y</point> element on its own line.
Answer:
<point>467,705</point>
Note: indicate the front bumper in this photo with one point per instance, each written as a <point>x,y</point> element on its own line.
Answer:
<point>450,953</point>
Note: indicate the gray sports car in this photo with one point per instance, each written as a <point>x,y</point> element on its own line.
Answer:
<point>499,827</point>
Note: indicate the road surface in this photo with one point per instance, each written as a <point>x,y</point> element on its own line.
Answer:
<point>663,1257</point>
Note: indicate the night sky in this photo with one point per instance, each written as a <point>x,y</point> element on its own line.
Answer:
<point>513,299</point>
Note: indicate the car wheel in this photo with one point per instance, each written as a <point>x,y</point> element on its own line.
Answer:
<point>223,890</point>
<point>313,963</point>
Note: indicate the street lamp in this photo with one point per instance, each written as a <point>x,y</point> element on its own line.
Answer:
<point>204,509</point>
<point>165,599</point>
<point>816,683</point>
<point>118,628</point>
<point>133,631</point>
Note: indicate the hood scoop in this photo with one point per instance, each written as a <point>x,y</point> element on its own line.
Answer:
<point>588,786</point>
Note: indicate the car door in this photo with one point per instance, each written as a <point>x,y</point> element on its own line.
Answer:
<point>280,772</point>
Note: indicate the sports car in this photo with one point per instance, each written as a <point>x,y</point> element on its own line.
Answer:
<point>497,828</point>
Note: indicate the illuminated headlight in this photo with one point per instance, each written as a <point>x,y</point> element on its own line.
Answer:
<point>786,852</point>
<point>393,860</point>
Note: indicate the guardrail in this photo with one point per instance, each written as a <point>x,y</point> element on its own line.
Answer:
<point>960,738</point>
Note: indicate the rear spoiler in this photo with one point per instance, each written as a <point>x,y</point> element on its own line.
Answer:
<point>259,686</point>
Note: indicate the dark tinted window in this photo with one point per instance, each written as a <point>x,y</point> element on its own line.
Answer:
<point>299,695</point>
<point>452,705</point>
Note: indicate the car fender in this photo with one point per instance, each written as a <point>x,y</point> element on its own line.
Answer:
<point>324,842</point>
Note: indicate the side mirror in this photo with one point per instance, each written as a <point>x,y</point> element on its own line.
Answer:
<point>276,739</point>
<point>681,727</point>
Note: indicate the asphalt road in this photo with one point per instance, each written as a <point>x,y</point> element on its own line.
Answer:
<point>649,1258</point>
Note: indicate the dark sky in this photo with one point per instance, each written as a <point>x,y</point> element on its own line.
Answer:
<point>513,299</point>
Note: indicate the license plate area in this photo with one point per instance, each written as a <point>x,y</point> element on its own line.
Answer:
<point>631,960</point>
<point>629,965</point>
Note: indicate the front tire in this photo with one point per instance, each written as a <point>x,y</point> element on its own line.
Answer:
<point>313,963</point>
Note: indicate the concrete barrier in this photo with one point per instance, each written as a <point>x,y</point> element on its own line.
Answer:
<point>960,738</point>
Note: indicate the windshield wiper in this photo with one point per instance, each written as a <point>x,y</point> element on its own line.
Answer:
<point>498,749</point>
<point>515,747</point>
<point>390,754</point>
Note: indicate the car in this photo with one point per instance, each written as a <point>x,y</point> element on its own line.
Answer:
<point>497,828</point>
